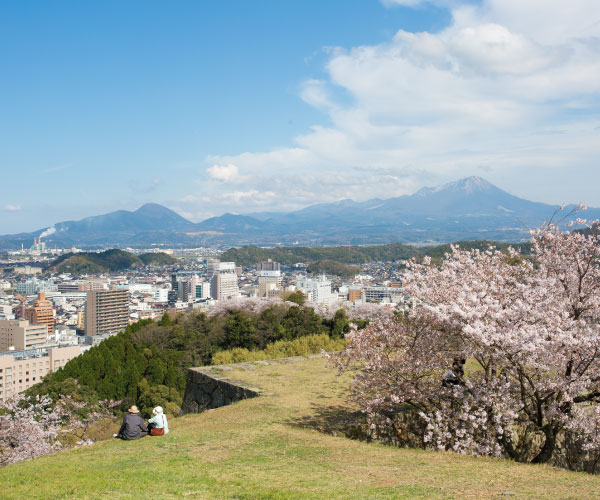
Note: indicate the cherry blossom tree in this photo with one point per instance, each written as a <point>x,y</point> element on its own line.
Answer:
<point>253,305</point>
<point>528,328</point>
<point>32,427</point>
<point>29,430</point>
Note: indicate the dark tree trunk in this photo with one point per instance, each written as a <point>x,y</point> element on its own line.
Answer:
<point>547,450</point>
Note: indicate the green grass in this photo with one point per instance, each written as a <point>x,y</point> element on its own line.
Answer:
<point>273,448</point>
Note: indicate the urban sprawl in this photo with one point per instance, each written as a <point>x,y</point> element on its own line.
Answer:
<point>46,318</point>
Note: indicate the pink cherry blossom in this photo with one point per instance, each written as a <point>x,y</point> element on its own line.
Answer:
<point>529,328</point>
<point>31,427</point>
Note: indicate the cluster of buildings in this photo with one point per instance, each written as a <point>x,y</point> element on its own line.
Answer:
<point>32,344</point>
<point>46,320</point>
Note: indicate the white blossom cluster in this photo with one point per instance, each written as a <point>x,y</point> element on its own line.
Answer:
<point>528,327</point>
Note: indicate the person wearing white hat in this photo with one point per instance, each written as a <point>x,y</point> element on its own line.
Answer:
<point>133,426</point>
<point>158,421</point>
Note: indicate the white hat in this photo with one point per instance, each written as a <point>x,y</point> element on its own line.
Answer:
<point>157,411</point>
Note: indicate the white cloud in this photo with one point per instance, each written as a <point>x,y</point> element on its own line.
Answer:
<point>225,173</point>
<point>13,208</point>
<point>315,93</point>
<point>250,198</point>
<point>510,87</point>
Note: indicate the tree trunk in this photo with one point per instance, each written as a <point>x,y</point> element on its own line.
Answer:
<point>547,450</point>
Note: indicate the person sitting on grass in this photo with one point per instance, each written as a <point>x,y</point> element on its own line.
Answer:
<point>158,425</point>
<point>133,426</point>
<point>455,376</point>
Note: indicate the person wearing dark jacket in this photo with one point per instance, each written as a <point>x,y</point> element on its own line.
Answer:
<point>133,426</point>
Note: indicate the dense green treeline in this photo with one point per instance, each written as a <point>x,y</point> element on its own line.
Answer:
<point>333,267</point>
<point>158,259</point>
<point>147,363</point>
<point>108,261</point>
<point>249,256</point>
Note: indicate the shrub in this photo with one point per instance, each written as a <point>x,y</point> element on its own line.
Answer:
<point>302,346</point>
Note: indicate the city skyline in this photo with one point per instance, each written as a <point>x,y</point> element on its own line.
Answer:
<point>231,107</point>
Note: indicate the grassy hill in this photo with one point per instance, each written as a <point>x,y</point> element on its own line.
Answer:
<point>280,447</point>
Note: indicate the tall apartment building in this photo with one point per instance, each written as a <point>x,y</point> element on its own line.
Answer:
<point>182,288</point>
<point>106,311</point>
<point>41,313</point>
<point>224,286</point>
<point>19,370</point>
<point>224,281</point>
<point>20,334</point>
<point>268,281</point>
<point>268,265</point>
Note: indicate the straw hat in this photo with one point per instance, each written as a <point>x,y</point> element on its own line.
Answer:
<point>157,411</point>
<point>134,409</point>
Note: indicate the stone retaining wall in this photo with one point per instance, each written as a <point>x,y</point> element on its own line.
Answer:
<point>208,387</point>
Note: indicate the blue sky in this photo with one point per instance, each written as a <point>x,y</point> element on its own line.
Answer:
<point>243,106</point>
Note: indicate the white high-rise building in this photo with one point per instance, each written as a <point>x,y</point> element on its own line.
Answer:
<point>161,295</point>
<point>318,290</point>
<point>224,281</point>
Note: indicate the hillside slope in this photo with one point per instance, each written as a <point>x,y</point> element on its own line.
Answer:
<point>272,448</point>
<point>249,255</point>
<point>108,261</point>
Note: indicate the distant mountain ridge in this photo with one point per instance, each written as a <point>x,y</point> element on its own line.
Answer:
<point>467,209</point>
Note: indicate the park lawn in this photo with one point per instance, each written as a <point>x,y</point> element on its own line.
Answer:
<point>273,447</point>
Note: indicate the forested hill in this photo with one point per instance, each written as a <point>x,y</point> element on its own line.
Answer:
<point>250,255</point>
<point>107,261</point>
<point>147,364</point>
<point>333,267</point>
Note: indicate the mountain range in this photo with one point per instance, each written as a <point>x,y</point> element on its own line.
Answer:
<point>467,209</point>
